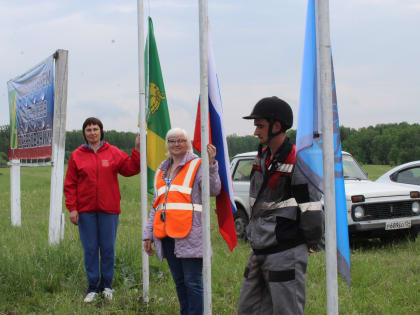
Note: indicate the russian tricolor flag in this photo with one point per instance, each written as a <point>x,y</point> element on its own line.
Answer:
<point>224,201</point>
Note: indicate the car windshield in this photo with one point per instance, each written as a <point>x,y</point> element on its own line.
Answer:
<point>351,169</point>
<point>243,169</point>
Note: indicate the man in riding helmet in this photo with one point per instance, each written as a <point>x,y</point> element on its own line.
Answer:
<point>285,221</point>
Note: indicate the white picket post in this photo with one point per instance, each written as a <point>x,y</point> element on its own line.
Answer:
<point>58,146</point>
<point>15,193</point>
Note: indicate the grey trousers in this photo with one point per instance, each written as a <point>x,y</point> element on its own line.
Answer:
<point>274,283</point>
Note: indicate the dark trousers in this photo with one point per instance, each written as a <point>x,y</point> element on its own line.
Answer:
<point>275,283</point>
<point>187,275</point>
<point>98,231</point>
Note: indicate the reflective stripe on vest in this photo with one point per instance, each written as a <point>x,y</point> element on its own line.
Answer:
<point>179,206</point>
<point>182,189</point>
<point>174,209</point>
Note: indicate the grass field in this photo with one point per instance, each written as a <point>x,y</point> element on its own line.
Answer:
<point>374,171</point>
<point>38,279</point>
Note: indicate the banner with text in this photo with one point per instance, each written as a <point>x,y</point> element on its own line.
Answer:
<point>31,107</point>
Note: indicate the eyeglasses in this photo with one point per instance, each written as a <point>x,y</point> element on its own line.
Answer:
<point>177,141</point>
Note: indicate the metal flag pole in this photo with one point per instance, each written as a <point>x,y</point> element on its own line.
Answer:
<point>143,154</point>
<point>205,184</point>
<point>325,89</point>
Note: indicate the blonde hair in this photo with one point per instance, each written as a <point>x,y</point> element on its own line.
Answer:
<point>175,132</point>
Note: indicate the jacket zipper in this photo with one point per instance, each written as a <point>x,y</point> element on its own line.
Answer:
<point>97,180</point>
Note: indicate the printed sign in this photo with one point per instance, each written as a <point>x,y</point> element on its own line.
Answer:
<point>31,107</point>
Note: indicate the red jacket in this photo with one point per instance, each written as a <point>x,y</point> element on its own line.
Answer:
<point>91,182</point>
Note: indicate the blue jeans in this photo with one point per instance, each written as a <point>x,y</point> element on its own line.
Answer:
<point>98,231</point>
<point>187,275</point>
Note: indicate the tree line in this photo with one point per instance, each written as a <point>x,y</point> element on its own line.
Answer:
<point>4,145</point>
<point>122,139</point>
<point>384,144</point>
<point>240,144</point>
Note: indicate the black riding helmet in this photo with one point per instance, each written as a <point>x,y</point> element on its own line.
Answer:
<point>273,109</point>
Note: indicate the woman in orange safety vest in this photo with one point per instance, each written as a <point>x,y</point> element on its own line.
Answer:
<point>174,224</point>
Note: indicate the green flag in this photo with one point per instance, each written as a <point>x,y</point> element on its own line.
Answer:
<point>157,118</point>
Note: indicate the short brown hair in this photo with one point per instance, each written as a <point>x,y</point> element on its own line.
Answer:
<point>93,121</point>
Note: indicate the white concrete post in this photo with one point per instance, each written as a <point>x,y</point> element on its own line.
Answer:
<point>15,193</point>
<point>58,145</point>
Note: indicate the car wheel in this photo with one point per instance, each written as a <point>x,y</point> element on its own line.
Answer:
<point>241,222</point>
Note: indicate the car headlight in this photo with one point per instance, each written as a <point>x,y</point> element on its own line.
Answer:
<point>359,212</point>
<point>415,207</point>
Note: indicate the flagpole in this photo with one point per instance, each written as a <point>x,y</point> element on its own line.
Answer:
<point>205,184</point>
<point>325,86</point>
<point>143,155</point>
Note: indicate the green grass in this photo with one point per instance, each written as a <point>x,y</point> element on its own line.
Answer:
<point>374,171</point>
<point>36,278</point>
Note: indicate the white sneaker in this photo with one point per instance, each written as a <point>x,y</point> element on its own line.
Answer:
<point>108,293</point>
<point>90,297</point>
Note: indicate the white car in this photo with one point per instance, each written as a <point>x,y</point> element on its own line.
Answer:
<point>374,209</point>
<point>407,175</point>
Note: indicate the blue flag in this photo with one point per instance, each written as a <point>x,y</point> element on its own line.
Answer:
<point>309,140</point>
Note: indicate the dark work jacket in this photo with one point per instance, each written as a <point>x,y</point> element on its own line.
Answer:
<point>285,208</point>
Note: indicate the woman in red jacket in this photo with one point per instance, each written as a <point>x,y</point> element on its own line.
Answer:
<point>93,200</point>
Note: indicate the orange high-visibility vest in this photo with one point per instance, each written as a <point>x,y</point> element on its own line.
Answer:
<point>174,209</point>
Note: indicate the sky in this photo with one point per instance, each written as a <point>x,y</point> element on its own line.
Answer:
<point>258,48</point>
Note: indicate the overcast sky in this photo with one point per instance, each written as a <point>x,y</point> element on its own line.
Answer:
<point>258,48</point>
